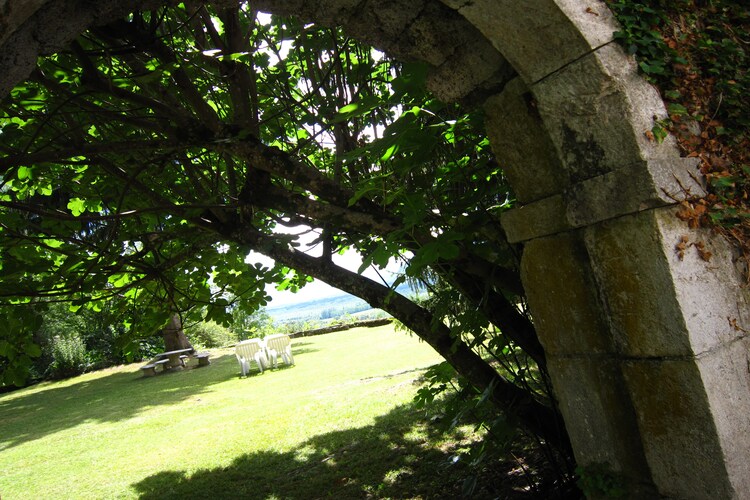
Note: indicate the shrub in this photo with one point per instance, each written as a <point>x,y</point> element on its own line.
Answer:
<point>257,324</point>
<point>69,356</point>
<point>209,334</point>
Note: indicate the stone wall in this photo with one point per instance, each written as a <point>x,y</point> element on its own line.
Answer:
<point>370,323</point>
<point>647,352</point>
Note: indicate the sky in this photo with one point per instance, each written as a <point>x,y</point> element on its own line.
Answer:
<point>350,260</point>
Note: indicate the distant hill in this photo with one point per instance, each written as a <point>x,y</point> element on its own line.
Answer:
<point>326,308</point>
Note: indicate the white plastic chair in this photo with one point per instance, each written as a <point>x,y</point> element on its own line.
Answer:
<point>279,344</point>
<point>251,350</point>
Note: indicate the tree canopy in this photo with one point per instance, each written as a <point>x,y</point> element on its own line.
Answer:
<point>147,160</point>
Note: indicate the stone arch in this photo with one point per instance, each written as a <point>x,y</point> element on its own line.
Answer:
<point>650,372</point>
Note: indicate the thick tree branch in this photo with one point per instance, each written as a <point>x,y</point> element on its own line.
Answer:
<point>536,417</point>
<point>65,154</point>
<point>144,39</point>
<point>277,198</point>
<point>501,313</point>
<point>242,84</point>
<point>277,162</point>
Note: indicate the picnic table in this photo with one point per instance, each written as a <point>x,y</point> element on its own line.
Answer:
<point>174,358</point>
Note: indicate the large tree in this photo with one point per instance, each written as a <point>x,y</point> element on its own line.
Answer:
<point>151,156</point>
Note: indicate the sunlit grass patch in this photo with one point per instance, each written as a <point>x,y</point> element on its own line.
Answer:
<point>340,423</point>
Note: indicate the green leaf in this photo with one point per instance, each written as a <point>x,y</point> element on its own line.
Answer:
<point>16,375</point>
<point>358,108</point>
<point>348,109</point>
<point>412,79</point>
<point>77,206</point>
<point>677,109</point>
<point>381,256</point>
<point>119,280</point>
<point>33,350</point>
<point>6,349</point>
<point>660,133</point>
<point>53,243</point>
<point>449,251</point>
<point>24,173</point>
<point>390,152</point>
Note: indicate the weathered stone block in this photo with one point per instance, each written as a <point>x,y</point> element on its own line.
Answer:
<point>599,417</point>
<point>572,28</point>
<point>434,36</point>
<point>677,428</point>
<point>384,22</point>
<point>614,194</point>
<point>598,110</point>
<point>629,262</point>
<point>333,12</point>
<point>560,291</point>
<point>14,14</point>
<point>649,184</point>
<point>522,144</point>
<point>472,64</point>
<point>710,290</point>
<point>726,378</point>
<point>541,218</point>
<point>659,304</point>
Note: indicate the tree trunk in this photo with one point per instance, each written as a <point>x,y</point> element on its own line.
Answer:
<point>174,337</point>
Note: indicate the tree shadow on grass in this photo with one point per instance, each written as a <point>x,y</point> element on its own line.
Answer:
<point>385,460</point>
<point>110,398</point>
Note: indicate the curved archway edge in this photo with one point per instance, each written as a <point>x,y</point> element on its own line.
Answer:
<point>648,353</point>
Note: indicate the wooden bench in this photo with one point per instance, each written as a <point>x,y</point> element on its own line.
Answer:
<point>203,359</point>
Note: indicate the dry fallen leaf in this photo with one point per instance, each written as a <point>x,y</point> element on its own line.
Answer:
<point>681,247</point>
<point>703,253</point>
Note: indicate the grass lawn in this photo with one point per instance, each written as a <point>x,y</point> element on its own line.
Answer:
<point>339,424</point>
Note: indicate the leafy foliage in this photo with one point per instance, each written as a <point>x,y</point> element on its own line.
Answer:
<point>257,324</point>
<point>69,356</point>
<point>640,36</point>
<point>147,160</point>
<point>208,334</point>
<point>17,348</point>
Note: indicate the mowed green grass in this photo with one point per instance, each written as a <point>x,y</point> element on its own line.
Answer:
<point>339,424</point>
